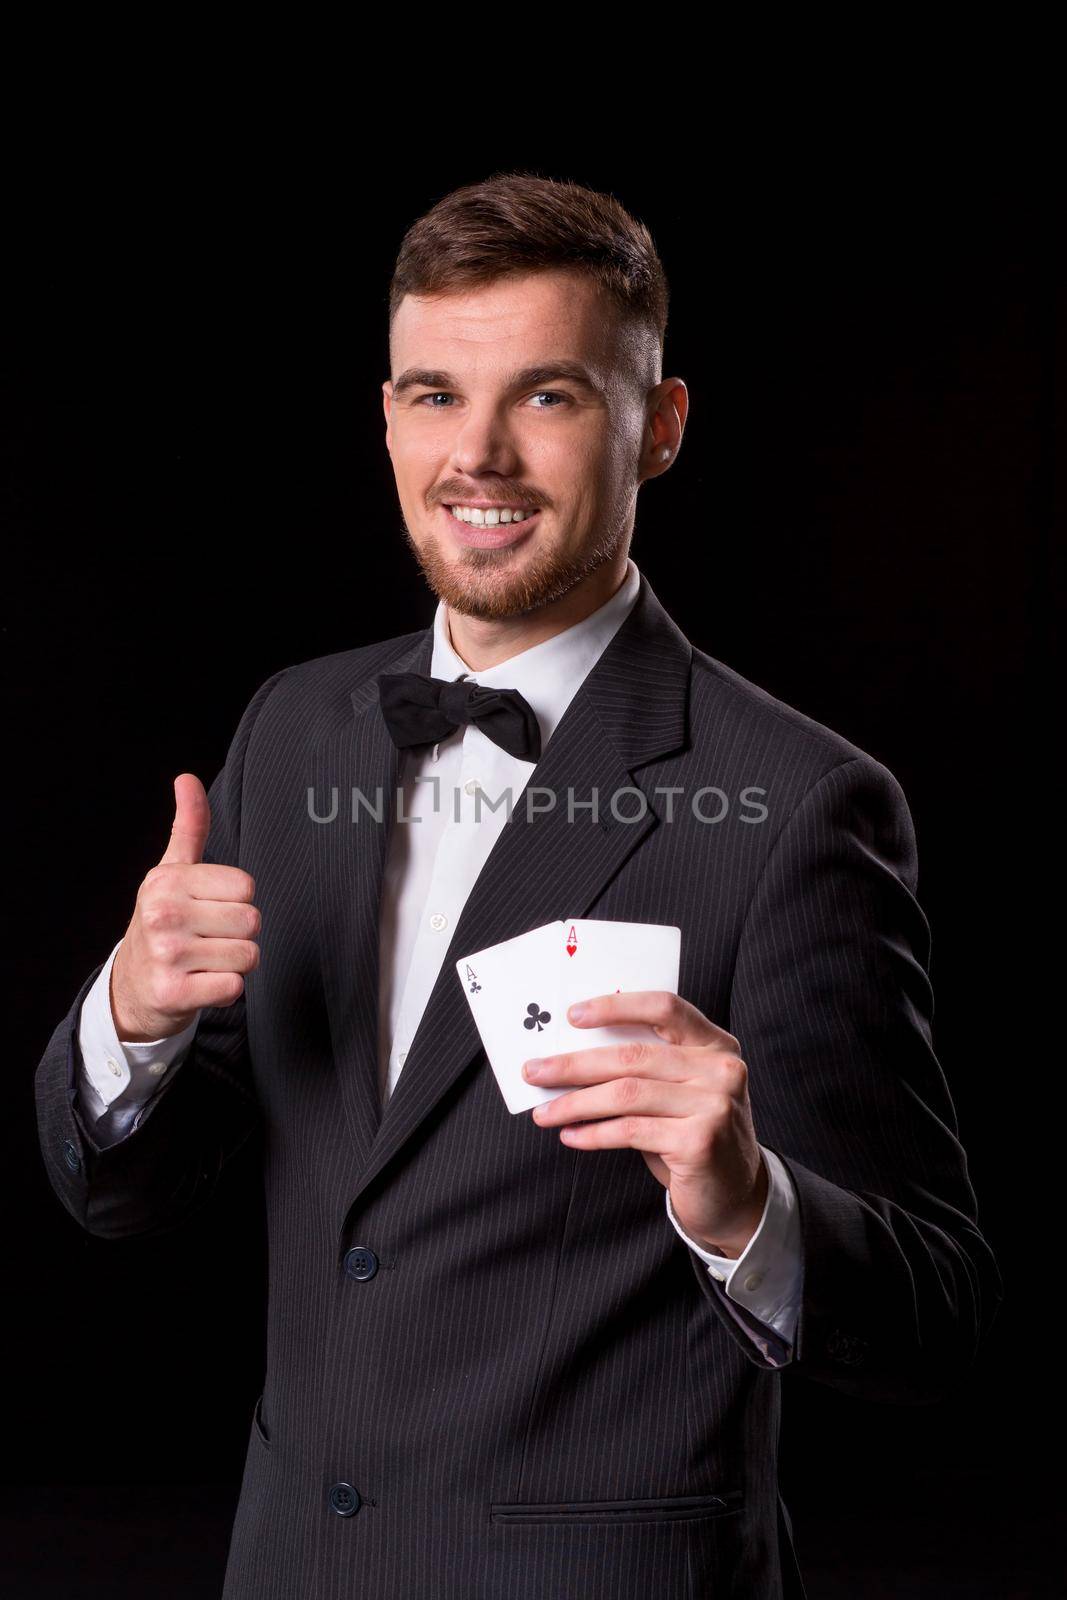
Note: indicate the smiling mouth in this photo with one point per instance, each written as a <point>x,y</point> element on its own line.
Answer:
<point>500,527</point>
<point>490,516</point>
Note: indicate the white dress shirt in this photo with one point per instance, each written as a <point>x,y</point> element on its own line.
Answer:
<point>431,866</point>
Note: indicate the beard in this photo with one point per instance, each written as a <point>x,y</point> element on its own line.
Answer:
<point>494,584</point>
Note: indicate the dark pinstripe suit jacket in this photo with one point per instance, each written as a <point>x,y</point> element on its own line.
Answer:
<point>494,1370</point>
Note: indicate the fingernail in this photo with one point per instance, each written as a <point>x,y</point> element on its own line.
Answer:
<point>576,1013</point>
<point>531,1069</point>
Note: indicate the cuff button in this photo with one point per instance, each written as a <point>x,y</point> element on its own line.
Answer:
<point>846,1348</point>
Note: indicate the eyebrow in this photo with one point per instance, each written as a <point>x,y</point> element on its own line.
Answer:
<point>527,378</point>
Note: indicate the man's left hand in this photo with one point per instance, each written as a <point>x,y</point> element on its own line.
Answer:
<point>681,1099</point>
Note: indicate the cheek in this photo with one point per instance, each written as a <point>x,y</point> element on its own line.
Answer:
<point>580,472</point>
<point>625,450</point>
<point>417,458</point>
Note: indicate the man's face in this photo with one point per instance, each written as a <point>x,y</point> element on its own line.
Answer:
<point>477,416</point>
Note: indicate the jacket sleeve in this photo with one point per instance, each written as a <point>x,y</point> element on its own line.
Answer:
<point>167,1165</point>
<point>832,1005</point>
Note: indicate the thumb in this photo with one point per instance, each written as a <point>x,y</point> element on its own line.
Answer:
<point>192,819</point>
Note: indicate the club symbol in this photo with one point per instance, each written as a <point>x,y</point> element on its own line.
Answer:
<point>475,987</point>
<point>536,1018</point>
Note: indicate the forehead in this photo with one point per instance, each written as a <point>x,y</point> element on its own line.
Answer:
<point>535,315</point>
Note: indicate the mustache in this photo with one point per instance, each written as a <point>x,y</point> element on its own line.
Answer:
<point>511,498</point>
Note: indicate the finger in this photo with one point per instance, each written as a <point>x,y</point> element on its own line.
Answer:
<point>657,1135</point>
<point>192,821</point>
<point>676,1020</point>
<point>213,880</point>
<point>221,955</point>
<point>623,1097</point>
<point>223,919</point>
<point>645,1058</point>
<point>201,989</point>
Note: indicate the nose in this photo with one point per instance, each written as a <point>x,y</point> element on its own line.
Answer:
<point>484,443</point>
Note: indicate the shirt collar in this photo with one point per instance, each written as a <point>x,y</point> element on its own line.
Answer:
<point>548,674</point>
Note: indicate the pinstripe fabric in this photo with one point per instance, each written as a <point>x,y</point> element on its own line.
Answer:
<point>541,1392</point>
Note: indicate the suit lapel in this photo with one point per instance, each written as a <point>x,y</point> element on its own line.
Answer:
<point>630,709</point>
<point>349,859</point>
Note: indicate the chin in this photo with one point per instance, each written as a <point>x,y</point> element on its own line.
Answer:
<point>493,585</point>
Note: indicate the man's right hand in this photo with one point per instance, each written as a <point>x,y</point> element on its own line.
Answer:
<point>192,934</point>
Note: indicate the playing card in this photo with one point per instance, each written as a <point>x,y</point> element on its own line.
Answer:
<point>602,957</point>
<point>511,990</point>
<point>519,991</point>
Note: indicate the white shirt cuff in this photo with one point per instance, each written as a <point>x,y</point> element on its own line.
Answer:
<point>767,1277</point>
<point>112,1067</point>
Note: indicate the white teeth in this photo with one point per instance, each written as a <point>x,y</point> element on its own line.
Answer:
<point>488,518</point>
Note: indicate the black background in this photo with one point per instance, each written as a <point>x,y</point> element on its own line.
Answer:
<point>196,492</point>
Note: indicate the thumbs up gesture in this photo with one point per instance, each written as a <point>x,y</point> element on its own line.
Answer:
<point>192,935</point>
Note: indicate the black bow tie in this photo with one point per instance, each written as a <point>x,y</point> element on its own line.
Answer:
<point>419,709</point>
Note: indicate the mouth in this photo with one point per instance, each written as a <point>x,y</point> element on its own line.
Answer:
<point>489,535</point>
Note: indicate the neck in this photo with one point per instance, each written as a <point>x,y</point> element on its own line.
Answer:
<point>485,642</point>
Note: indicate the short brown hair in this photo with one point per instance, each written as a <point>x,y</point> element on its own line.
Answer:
<point>521,222</point>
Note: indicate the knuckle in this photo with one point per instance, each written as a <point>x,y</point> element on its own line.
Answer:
<point>157,913</point>
<point>693,1151</point>
<point>734,1070</point>
<point>633,1053</point>
<point>166,947</point>
<point>627,1091</point>
<point>167,992</point>
<point>720,1109</point>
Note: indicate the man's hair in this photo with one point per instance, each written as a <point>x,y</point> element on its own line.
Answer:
<point>516,222</point>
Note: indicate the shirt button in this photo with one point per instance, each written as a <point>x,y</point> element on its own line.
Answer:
<point>402,1057</point>
<point>753,1280</point>
<point>114,1066</point>
<point>156,1068</point>
<point>472,785</point>
<point>438,921</point>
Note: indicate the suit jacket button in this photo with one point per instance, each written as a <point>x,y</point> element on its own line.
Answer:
<point>70,1155</point>
<point>360,1262</point>
<point>344,1499</point>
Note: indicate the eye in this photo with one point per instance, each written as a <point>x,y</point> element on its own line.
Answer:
<point>542,394</point>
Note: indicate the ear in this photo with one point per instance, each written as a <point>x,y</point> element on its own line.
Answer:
<point>387,407</point>
<point>668,405</point>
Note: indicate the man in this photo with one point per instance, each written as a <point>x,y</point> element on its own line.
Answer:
<point>535,1355</point>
